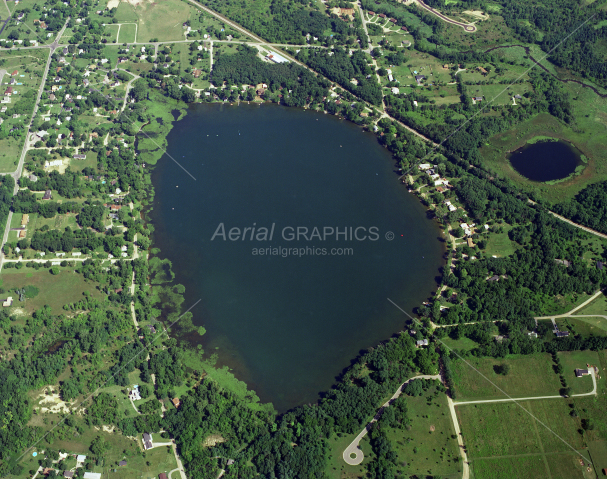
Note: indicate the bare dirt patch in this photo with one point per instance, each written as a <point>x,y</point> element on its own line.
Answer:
<point>113,4</point>
<point>432,428</point>
<point>213,440</point>
<point>477,14</point>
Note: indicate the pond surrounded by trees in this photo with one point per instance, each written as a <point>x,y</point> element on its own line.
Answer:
<point>546,160</point>
<point>288,325</point>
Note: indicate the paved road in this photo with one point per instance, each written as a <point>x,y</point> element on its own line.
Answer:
<point>591,393</point>
<point>466,26</point>
<point>460,440</point>
<point>354,448</point>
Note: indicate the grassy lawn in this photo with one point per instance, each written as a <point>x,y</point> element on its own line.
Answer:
<point>530,375</point>
<point>427,447</point>
<point>596,325</point>
<point>578,359</point>
<point>500,244</point>
<point>55,291</point>
<point>598,306</point>
<point>463,343</point>
<point>598,453</point>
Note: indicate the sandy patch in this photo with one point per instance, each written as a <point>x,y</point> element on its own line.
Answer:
<point>432,428</point>
<point>113,4</point>
<point>213,440</point>
<point>54,402</point>
<point>108,428</point>
<point>19,312</point>
<point>477,14</point>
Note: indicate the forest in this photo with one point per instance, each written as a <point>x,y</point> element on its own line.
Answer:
<point>588,207</point>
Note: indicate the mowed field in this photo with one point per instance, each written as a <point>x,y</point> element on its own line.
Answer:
<point>530,375</point>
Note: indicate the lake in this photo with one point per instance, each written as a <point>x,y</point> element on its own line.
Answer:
<point>286,324</point>
<point>546,160</point>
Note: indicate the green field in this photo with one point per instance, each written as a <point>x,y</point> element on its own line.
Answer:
<point>530,375</point>
<point>127,33</point>
<point>427,446</point>
<point>521,467</point>
<point>528,427</point>
<point>598,307</point>
<point>463,343</point>
<point>500,244</point>
<point>55,291</point>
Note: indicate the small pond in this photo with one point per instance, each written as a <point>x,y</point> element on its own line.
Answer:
<point>546,160</point>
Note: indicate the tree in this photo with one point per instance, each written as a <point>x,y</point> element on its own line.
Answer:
<point>99,446</point>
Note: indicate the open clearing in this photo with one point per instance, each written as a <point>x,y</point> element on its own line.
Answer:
<point>55,291</point>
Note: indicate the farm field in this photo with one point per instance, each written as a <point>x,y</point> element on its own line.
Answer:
<point>530,375</point>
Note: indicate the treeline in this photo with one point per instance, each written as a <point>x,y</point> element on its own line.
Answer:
<point>588,207</point>
<point>66,184</point>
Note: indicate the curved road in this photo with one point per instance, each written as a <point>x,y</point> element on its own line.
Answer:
<point>466,26</point>
<point>353,448</point>
<point>591,393</point>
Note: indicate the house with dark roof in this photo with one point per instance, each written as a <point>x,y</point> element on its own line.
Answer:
<point>581,372</point>
<point>561,334</point>
<point>122,463</point>
<point>47,195</point>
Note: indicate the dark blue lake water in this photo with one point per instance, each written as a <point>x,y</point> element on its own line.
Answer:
<point>288,325</point>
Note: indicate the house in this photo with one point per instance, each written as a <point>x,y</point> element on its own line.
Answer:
<point>8,91</point>
<point>532,334</point>
<point>33,178</point>
<point>122,463</point>
<point>494,278</point>
<point>599,265</point>
<point>197,73</point>
<point>382,15</point>
<point>420,78</point>
<point>80,458</point>
<point>68,474</point>
<point>176,402</point>
<point>162,475</point>
<point>52,97</point>
<point>7,302</point>
<point>564,262</point>
<point>147,440</point>
<point>346,11</point>
<point>477,98</point>
<point>518,97</point>
<point>79,157</point>
<point>151,328</point>
<point>482,70</point>
<point>371,13</point>
<point>395,90</point>
<point>422,342</point>
<point>470,243</point>
<point>92,475</point>
<point>393,20</point>
<point>25,219</point>
<point>47,195</point>
<point>404,28</point>
<point>561,334</point>
<point>134,394</point>
<point>15,73</point>
<point>581,372</point>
